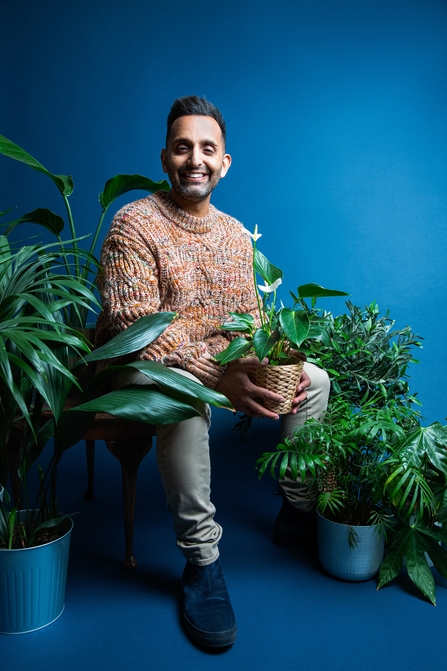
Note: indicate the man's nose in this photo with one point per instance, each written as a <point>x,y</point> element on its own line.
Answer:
<point>195,157</point>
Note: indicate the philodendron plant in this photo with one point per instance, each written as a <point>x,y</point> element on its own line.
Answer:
<point>81,266</point>
<point>36,347</point>
<point>272,332</point>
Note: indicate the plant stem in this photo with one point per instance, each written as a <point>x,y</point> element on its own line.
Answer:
<point>255,285</point>
<point>72,231</point>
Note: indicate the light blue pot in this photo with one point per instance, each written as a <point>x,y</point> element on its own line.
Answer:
<point>349,563</point>
<point>32,585</point>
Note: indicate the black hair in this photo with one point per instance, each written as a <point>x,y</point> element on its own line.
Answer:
<point>193,105</point>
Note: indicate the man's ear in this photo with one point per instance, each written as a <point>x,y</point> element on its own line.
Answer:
<point>164,162</point>
<point>226,162</point>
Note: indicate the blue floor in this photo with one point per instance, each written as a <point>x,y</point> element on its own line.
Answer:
<point>291,615</point>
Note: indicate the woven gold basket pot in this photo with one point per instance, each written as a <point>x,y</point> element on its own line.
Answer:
<point>282,380</point>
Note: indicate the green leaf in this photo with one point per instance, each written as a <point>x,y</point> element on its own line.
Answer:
<point>43,217</point>
<point>295,324</point>
<point>426,443</point>
<point>392,564</point>
<point>438,555</point>
<point>120,184</point>
<point>241,322</point>
<point>237,348</point>
<point>317,291</point>
<point>417,567</point>
<point>168,377</point>
<point>137,336</point>
<point>263,342</point>
<point>142,404</point>
<point>265,269</point>
<point>11,150</point>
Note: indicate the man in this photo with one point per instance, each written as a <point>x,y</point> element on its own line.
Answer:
<point>175,252</point>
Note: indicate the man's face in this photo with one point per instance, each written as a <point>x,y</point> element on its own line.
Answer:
<point>194,159</point>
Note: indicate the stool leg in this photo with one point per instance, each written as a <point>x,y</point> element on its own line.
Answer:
<point>90,454</point>
<point>130,454</point>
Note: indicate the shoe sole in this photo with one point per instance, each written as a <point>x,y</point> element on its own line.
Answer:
<point>209,639</point>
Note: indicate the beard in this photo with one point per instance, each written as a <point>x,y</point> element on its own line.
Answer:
<point>193,192</point>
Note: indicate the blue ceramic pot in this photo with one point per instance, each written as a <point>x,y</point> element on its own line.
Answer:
<point>32,585</point>
<point>343,561</point>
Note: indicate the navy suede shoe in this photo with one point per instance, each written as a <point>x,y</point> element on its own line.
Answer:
<point>294,528</point>
<point>207,612</point>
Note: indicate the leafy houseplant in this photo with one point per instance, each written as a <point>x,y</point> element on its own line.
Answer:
<point>34,345</point>
<point>273,332</point>
<point>370,460</point>
<point>416,488</point>
<point>364,354</point>
<point>81,266</point>
<point>345,454</point>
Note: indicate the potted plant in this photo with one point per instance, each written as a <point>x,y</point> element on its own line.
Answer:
<point>34,290</point>
<point>274,332</point>
<point>370,459</point>
<point>35,381</point>
<point>345,455</point>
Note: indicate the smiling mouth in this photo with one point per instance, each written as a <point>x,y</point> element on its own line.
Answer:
<point>194,176</point>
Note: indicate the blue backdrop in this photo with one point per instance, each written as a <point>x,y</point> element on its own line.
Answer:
<point>336,123</point>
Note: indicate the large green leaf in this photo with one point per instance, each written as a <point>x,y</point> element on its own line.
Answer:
<point>295,324</point>
<point>417,566</point>
<point>426,443</point>
<point>168,377</point>
<point>392,564</point>
<point>265,269</point>
<point>237,348</point>
<point>317,291</point>
<point>43,217</point>
<point>8,148</point>
<point>142,404</point>
<point>413,542</point>
<point>120,184</point>
<point>137,336</point>
<point>263,342</point>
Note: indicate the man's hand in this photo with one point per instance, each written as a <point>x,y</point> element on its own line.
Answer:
<point>301,393</point>
<point>243,393</point>
<point>247,397</point>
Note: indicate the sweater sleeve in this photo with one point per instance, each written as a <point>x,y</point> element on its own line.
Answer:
<point>130,287</point>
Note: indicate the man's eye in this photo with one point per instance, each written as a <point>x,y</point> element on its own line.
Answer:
<point>208,150</point>
<point>181,148</point>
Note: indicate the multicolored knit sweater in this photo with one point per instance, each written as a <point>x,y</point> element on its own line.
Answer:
<point>158,258</point>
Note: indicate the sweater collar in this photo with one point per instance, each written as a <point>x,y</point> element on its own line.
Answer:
<point>181,218</point>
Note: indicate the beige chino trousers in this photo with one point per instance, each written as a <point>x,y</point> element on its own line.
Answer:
<point>183,458</point>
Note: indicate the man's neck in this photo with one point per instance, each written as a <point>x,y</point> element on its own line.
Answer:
<point>195,209</point>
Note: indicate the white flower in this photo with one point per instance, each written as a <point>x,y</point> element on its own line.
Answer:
<point>254,235</point>
<point>268,288</point>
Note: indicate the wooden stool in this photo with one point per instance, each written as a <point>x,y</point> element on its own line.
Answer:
<point>129,442</point>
